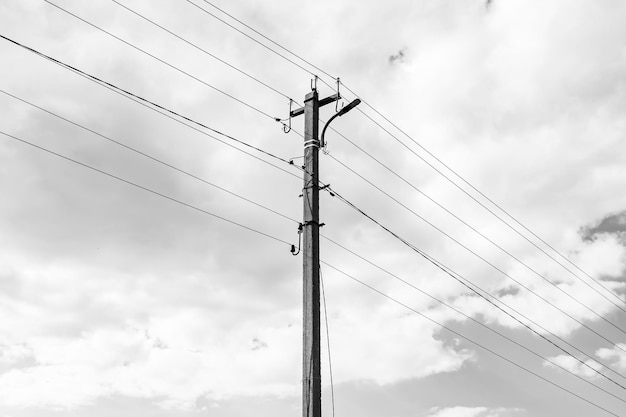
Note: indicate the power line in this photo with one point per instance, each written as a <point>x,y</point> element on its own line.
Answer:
<point>485,207</point>
<point>330,362</point>
<point>428,257</point>
<point>418,144</point>
<point>156,160</point>
<point>250,37</point>
<point>267,38</point>
<point>172,199</point>
<point>480,234</point>
<point>489,298</point>
<point>169,197</point>
<point>144,154</point>
<point>166,63</point>
<point>270,116</point>
<point>148,156</point>
<point>203,50</point>
<point>147,103</point>
<point>262,44</point>
<point>371,156</point>
<point>487,198</point>
<point>472,341</point>
<point>494,330</point>
<point>147,189</point>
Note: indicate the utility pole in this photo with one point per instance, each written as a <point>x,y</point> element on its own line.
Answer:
<point>311,368</point>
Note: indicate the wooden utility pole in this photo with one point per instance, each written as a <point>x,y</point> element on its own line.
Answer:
<point>311,369</point>
<point>311,374</point>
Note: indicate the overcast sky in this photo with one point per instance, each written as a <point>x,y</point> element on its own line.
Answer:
<point>117,301</point>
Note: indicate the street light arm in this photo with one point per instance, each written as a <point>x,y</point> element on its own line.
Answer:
<point>341,112</point>
<point>325,126</point>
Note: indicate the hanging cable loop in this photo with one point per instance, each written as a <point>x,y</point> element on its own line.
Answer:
<point>338,95</point>
<point>287,128</point>
<point>293,247</point>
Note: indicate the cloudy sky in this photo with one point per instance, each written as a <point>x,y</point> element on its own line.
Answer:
<point>121,300</point>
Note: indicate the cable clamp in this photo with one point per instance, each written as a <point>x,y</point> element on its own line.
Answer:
<point>314,143</point>
<point>310,222</point>
<point>328,189</point>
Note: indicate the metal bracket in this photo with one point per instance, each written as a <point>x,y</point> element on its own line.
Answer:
<point>321,103</point>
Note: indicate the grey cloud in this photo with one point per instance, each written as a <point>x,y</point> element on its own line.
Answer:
<point>398,57</point>
<point>612,223</point>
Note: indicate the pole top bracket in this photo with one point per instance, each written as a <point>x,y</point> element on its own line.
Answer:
<point>322,102</point>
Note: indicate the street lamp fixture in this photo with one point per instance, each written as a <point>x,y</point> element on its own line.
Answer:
<point>341,112</point>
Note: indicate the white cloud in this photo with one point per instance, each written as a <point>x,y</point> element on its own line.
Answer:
<point>180,352</point>
<point>390,353</point>
<point>13,353</point>
<point>614,354</point>
<point>110,292</point>
<point>471,412</point>
<point>573,365</point>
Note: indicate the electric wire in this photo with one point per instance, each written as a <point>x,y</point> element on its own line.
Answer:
<point>487,198</point>
<point>269,39</point>
<point>250,37</point>
<point>418,144</point>
<point>515,258</point>
<point>165,111</point>
<point>330,362</point>
<point>202,50</point>
<point>471,227</point>
<point>485,294</point>
<point>165,62</point>
<point>146,155</point>
<point>122,180</point>
<point>326,318</point>
<point>439,265</point>
<point>414,248</point>
<point>472,341</point>
<point>157,193</point>
<point>487,208</point>
<point>393,172</point>
<point>500,334</point>
<point>166,164</point>
<point>480,234</point>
